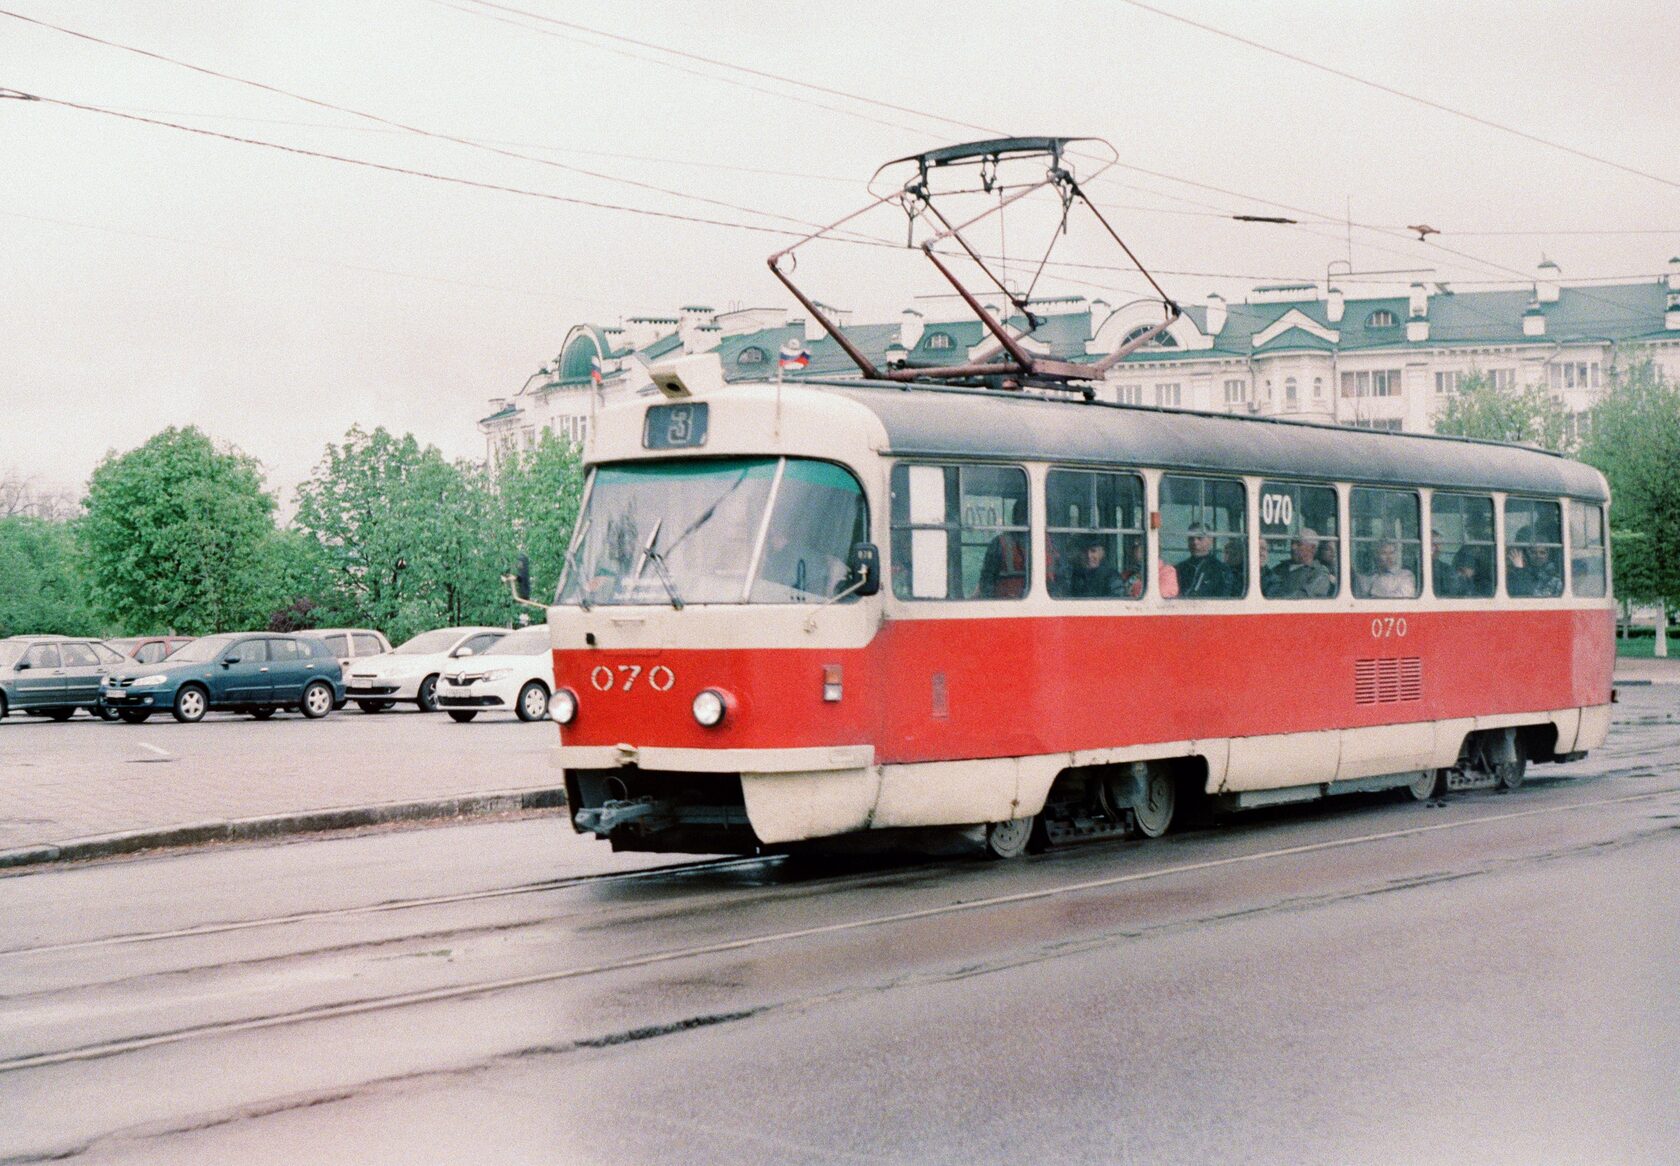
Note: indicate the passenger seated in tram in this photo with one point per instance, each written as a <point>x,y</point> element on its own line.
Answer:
<point>1235,556</point>
<point>1545,573</point>
<point>1003,572</point>
<point>1203,575</point>
<point>1093,577</point>
<point>1519,581</point>
<point>1440,567</point>
<point>1303,577</point>
<point>1388,579</point>
<point>1472,574</point>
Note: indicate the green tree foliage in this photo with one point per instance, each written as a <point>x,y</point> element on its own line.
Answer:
<point>407,540</point>
<point>174,536</point>
<point>540,490</point>
<point>42,587</point>
<point>1634,440</point>
<point>1525,415</point>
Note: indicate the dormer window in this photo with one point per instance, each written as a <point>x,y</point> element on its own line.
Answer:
<point>940,340</point>
<point>752,356</point>
<point>1164,340</point>
<point>1381,318</point>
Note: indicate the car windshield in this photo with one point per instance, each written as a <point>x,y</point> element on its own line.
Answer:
<point>531,641</point>
<point>691,531</point>
<point>201,650</point>
<point>428,643</point>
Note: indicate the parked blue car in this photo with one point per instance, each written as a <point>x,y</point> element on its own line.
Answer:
<point>250,672</point>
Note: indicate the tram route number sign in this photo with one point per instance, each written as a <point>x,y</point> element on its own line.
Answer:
<point>678,426</point>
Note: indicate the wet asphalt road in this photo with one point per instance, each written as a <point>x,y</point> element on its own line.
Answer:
<point>1489,980</point>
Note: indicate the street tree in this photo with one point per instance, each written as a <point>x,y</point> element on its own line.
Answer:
<point>174,533</point>
<point>42,586</point>
<point>1634,439</point>
<point>1526,415</point>
<point>540,489</point>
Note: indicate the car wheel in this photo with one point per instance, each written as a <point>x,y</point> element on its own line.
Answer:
<point>191,704</point>
<point>133,716</point>
<point>373,706</point>
<point>317,700</point>
<point>462,715</point>
<point>105,712</point>
<point>533,702</point>
<point>60,714</point>
<point>262,714</point>
<point>426,698</point>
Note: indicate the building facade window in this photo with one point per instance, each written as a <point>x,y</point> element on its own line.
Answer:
<point>1318,388</point>
<point>1503,379</point>
<point>1291,395</point>
<point>1171,395</point>
<point>753,355</point>
<point>940,340</point>
<point>1446,383</point>
<point>1236,392</point>
<point>1382,382</point>
<point>1380,424</point>
<point>1130,394</point>
<point>1575,374</point>
<point>1381,318</point>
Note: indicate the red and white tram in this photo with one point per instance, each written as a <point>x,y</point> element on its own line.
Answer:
<point>1082,618</point>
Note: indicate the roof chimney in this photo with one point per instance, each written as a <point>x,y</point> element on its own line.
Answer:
<point>1216,313</point>
<point>1671,318</point>
<point>1417,316</point>
<point>1534,320</point>
<point>1546,284</point>
<point>1674,274</point>
<point>1336,306</point>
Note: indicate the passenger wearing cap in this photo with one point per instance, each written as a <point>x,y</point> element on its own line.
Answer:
<point>1203,575</point>
<point>1303,577</point>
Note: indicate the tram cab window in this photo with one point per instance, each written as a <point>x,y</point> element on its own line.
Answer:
<point>1095,535</point>
<point>1533,548</point>
<point>1387,543</point>
<point>960,532</point>
<point>1586,548</point>
<point>1461,546</point>
<point>1204,535</point>
<point>818,517</point>
<point>1301,535</point>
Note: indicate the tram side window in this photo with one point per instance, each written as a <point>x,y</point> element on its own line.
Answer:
<point>1300,535</point>
<point>1206,521</point>
<point>1096,535</point>
<point>960,532</point>
<point>1586,548</point>
<point>1461,546</point>
<point>1387,543</point>
<point>1533,548</point>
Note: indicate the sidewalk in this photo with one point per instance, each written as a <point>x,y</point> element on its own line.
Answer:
<point>85,789</point>
<point>1635,671</point>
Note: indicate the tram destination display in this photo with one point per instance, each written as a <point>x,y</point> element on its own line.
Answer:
<point>678,426</point>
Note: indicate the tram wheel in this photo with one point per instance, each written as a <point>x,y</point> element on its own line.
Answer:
<point>1152,816</point>
<point>1011,839</point>
<point>1509,774</point>
<point>1427,786</point>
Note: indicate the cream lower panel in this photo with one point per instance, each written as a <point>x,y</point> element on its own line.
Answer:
<point>1378,749</point>
<point>788,807</point>
<point>1283,759</point>
<point>1449,741</point>
<point>1567,722</point>
<point>953,793</point>
<point>819,759</point>
<point>1595,727</point>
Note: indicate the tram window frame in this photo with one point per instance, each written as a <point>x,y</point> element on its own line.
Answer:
<point>1583,548</point>
<point>1478,555</point>
<point>1533,587</point>
<point>1067,541</point>
<point>951,540</point>
<point>1285,501</point>
<point>1391,525</point>
<point>1202,513</point>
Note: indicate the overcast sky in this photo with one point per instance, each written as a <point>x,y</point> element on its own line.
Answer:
<point>151,277</point>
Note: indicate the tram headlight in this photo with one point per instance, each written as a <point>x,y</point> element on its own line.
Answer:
<point>709,707</point>
<point>563,706</point>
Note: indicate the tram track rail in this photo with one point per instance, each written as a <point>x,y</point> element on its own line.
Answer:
<point>491,986</point>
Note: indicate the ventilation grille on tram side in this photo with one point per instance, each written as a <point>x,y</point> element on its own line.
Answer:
<point>1388,681</point>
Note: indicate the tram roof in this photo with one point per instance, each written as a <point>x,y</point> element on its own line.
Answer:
<point>984,423</point>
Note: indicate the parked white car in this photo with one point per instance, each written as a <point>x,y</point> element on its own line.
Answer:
<point>517,674</point>
<point>409,673</point>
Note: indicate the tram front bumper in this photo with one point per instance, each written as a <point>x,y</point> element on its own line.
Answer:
<point>788,794</point>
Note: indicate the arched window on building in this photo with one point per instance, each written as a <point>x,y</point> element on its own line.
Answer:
<point>1381,318</point>
<point>752,355</point>
<point>579,358</point>
<point>1164,340</point>
<point>1318,388</point>
<point>940,340</point>
<point>1291,396</point>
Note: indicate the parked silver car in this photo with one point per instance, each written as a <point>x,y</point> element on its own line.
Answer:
<point>53,676</point>
<point>350,645</point>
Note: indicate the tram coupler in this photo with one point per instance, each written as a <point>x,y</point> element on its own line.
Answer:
<point>609,816</point>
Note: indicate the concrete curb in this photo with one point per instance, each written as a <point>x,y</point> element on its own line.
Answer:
<point>280,825</point>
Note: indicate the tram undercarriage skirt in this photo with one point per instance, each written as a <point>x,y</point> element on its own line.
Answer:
<point>649,809</point>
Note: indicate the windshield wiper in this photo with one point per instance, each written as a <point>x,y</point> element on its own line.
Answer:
<point>706,514</point>
<point>650,555</point>
<point>573,571</point>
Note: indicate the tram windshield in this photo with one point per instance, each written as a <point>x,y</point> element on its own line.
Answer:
<point>735,530</point>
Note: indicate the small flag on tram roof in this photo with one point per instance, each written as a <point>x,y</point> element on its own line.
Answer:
<point>794,355</point>
<point>595,368</point>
